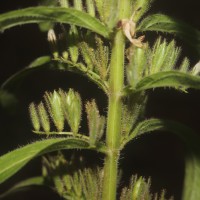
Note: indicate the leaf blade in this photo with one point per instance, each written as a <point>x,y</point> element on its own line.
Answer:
<point>13,161</point>
<point>168,79</point>
<point>166,24</point>
<point>52,14</point>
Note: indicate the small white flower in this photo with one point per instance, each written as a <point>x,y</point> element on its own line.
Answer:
<point>51,36</point>
<point>129,27</point>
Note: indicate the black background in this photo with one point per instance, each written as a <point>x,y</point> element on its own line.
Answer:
<point>159,156</point>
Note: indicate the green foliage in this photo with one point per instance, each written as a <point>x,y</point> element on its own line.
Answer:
<point>44,118</point>
<point>96,57</point>
<point>72,107</point>
<point>133,111</point>
<point>90,7</point>
<point>103,8</point>
<point>78,5</point>
<point>52,14</point>
<point>13,161</point>
<point>73,44</point>
<point>34,117</point>
<point>166,24</point>
<point>84,53</point>
<point>53,102</point>
<point>164,56</point>
<point>174,79</point>
<point>91,41</point>
<point>45,62</point>
<point>150,125</point>
<point>184,67</point>
<point>61,106</point>
<point>139,189</point>
<point>77,184</point>
<point>64,3</point>
<point>157,67</point>
<point>96,123</point>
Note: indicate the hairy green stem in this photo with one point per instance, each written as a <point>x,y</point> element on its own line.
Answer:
<point>116,85</point>
<point>114,118</point>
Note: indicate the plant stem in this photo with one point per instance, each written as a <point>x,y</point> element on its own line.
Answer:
<point>113,133</point>
<point>114,118</point>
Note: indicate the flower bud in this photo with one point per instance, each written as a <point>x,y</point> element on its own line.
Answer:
<point>137,189</point>
<point>51,37</point>
<point>140,189</point>
<point>185,65</point>
<point>73,40</point>
<point>53,101</point>
<point>78,5</point>
<point>65,55</point>
<point>44,118</point>
<point>72,108</point>
<point>96,122</point>
<point>196,69</point>
<point>34,117</point>
<point>137,64</point>
<point>90,7</point>
<point>64,3</point>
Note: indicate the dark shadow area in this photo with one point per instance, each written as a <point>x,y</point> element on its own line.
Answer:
<point>158,156</point>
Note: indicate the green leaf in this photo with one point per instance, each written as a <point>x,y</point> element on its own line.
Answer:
<point>23,185</point>
<point>40,61</point>
<point>13,161</point>
<point>192,142</point>
<point>192,174</point>
<point>96,122</point>
<point>168,79</point>
<point>166,24</point>
<point>146,126</point>
<point>52,14</point>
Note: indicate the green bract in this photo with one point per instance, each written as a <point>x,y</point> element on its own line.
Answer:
<point>72,107</point>
<point>96,123</point>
